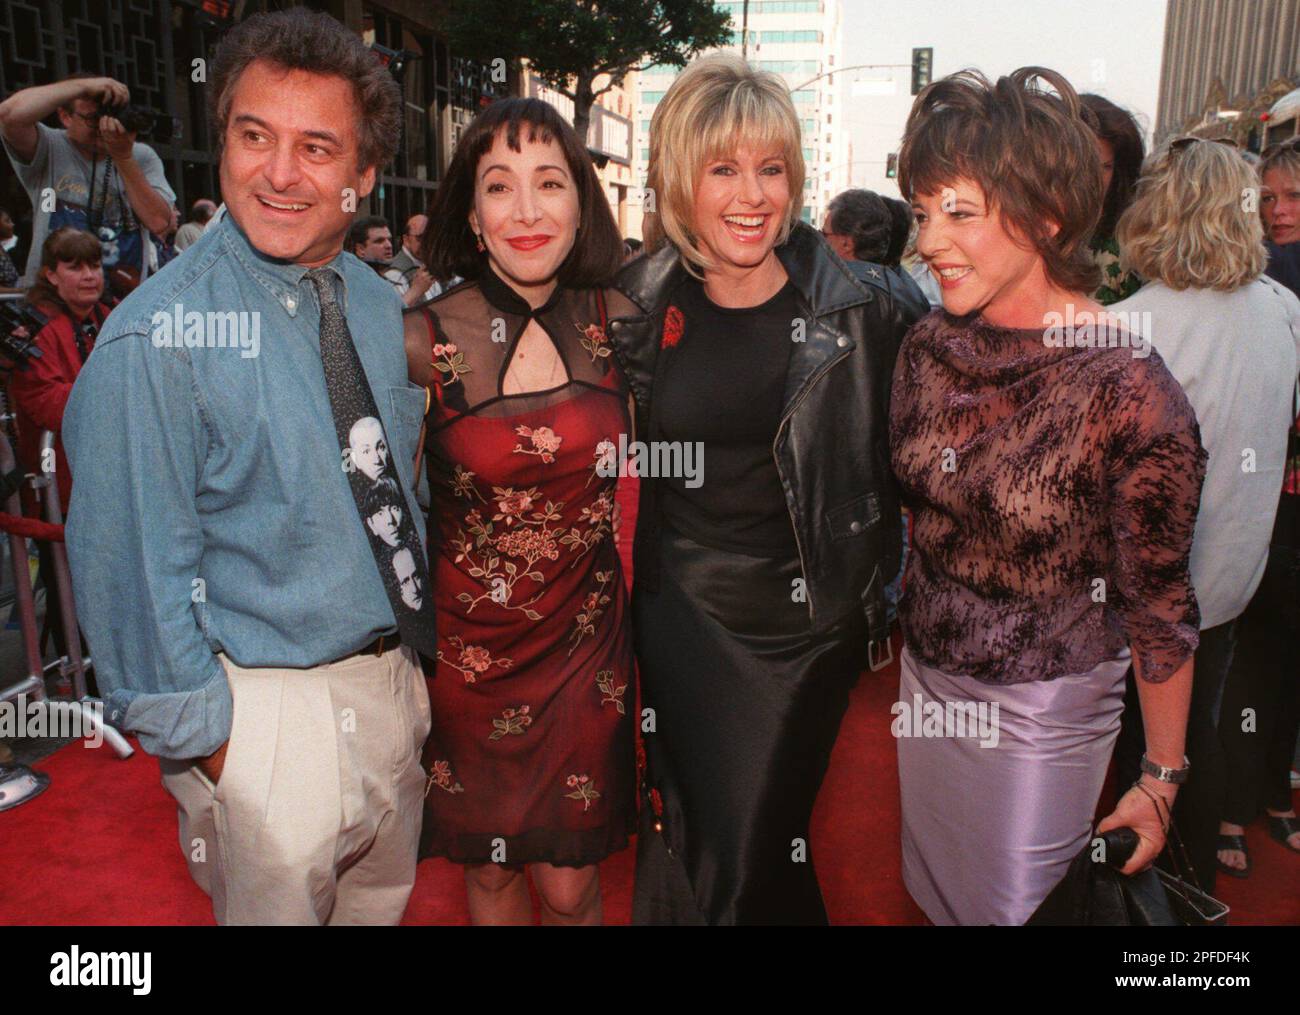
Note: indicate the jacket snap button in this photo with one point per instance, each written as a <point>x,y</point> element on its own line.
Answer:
<point>841,341</point>
<point>855,527</point>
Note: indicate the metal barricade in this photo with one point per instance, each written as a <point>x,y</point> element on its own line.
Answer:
<point>71,665</point>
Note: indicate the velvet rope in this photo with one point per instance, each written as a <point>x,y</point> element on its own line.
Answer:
<point>31,528</point>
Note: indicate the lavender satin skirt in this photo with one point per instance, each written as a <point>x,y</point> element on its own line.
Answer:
<point>988,831</point>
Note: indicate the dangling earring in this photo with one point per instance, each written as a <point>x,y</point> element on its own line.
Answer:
<point>478,239</point>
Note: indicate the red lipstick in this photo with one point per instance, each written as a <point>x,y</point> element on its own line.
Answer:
<point>528,242</point>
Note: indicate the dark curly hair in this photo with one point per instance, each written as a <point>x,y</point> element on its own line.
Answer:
<point>305,40</point>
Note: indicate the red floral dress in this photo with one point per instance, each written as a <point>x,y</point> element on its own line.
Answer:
<point>531,755</point>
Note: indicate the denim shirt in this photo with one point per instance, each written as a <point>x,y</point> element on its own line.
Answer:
<point>210,509</point>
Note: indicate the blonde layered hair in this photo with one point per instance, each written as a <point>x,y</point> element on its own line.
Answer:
<point>716,106</point>
<point>1191,225</point>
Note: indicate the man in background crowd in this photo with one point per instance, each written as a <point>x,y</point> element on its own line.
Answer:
<point>406,260</point>
<point>104,181</point>
<point>200,215</point>
<point>372,240</point>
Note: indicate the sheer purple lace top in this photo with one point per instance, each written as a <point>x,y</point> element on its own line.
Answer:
<point>1053,493</point>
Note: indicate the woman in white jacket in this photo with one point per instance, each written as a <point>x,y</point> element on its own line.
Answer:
<point>1231,336</point>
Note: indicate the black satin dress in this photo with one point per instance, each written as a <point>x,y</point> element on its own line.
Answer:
<point>746,700</point>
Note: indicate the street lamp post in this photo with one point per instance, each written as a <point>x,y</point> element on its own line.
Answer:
<point>844,70</point>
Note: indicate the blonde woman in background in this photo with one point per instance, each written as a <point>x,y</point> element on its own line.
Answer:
<point>1229,336</point>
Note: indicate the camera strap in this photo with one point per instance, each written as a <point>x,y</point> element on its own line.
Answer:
<point>95,212</point>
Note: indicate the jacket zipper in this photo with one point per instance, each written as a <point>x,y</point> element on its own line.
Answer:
<point>803,567</point>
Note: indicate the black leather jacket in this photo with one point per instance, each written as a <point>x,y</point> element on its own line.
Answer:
<point>832,445</point>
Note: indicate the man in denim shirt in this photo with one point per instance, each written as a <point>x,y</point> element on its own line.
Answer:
<point>228,588</point>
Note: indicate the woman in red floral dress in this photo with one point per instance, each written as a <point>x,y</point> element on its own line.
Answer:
<point>531,756</point>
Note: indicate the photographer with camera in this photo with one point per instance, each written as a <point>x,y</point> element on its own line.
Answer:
<point>69,297</point>
<point>103,180</point>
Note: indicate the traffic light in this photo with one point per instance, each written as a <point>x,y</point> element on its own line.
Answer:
<point>922,66</point>
<point>891,165</point>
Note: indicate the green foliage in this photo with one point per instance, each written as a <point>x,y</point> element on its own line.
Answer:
<point>569,43</point>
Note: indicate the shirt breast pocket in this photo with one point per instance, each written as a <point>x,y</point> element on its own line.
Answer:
<point>408,405</point>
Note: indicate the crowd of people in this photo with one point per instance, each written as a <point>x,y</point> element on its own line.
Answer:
<point>1043,422</point>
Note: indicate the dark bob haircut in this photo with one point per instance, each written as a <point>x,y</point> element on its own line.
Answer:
<point>450,247</point>
<point>1117,127</point>
<point>1030,151</point>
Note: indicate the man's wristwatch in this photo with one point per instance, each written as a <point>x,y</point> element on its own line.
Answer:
<point>1164,773</point>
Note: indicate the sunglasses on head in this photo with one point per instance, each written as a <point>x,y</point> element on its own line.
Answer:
<point>1186,142</point>
<point>1291,144</point>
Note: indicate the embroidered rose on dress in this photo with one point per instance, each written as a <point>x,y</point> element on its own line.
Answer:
<point>513,722</point>
<point>528,544</point>
<point>474,659</point>
<point>512,503</point>
<point>594,340</point>
<point>592,609</point>
<point>545,442</point>
<point>447,360</point>
<point>584,789</point>
<point>612,695</point>
<point>674,325</point>
<point>441,777</point>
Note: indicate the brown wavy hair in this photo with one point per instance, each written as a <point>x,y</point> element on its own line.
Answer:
<point>1031,152</point>
<point>305,40</point>
<point>63,246</point>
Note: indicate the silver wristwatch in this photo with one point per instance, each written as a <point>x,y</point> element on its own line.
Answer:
<point>1164,773</point>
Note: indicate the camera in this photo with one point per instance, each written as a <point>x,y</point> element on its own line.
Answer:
<point>142,121</point>
<point>20,322</point>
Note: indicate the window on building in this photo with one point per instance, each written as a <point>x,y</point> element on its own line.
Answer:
<point>790,36</point>
<point>736,8</point>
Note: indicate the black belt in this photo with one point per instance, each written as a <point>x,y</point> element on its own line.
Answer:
<point>384,643</point>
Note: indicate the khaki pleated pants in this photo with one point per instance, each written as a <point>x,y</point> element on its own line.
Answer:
<point>316,816</point>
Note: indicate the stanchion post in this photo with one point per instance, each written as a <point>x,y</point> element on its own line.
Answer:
<point>33,684</point>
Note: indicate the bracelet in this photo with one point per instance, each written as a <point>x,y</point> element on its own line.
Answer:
<point>1164,773</point>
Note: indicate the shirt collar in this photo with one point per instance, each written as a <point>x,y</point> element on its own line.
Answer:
<point>499,294</point>
<point>282,279</point>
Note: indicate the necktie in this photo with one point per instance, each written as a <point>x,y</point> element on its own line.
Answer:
<point>366,455</point>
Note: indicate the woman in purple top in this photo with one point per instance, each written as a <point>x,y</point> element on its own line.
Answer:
<point>1053,480</point>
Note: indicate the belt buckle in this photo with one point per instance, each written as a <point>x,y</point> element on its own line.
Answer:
<point>879,664</point>
<point>379,645</point>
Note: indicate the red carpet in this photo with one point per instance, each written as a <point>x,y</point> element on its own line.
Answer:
<point>100,845</point>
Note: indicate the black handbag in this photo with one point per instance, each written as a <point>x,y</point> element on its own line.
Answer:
<point>1094,893</point>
